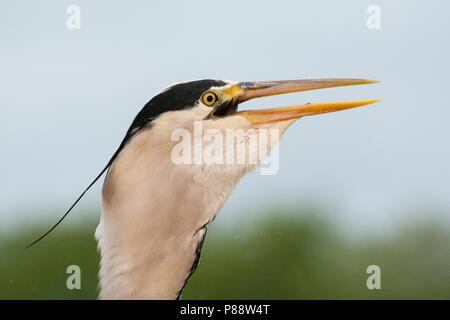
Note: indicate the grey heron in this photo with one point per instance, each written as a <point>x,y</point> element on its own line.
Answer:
<point>155,211</point>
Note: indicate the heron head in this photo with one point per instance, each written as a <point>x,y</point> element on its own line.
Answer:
<point>204,116</point>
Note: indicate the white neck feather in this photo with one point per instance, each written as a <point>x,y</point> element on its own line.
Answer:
<point>153,221</point>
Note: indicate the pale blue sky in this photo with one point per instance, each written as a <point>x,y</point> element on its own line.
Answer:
<point>67,98</point>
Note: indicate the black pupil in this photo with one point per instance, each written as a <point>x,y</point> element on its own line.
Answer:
<point>209,98</point>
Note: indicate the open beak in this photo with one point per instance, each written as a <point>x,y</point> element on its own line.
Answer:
<point>244,91</point>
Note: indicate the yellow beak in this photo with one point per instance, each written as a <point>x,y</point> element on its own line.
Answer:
<point>248,90</point>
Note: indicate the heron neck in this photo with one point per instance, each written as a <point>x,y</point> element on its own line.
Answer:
<point>153,223</point>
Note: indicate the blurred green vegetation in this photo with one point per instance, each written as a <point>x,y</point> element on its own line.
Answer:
<point>282,256</point>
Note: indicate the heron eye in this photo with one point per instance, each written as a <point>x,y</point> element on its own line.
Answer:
<point>209,98</point>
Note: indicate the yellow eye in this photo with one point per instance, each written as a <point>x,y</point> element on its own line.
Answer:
<point>209,98</point>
